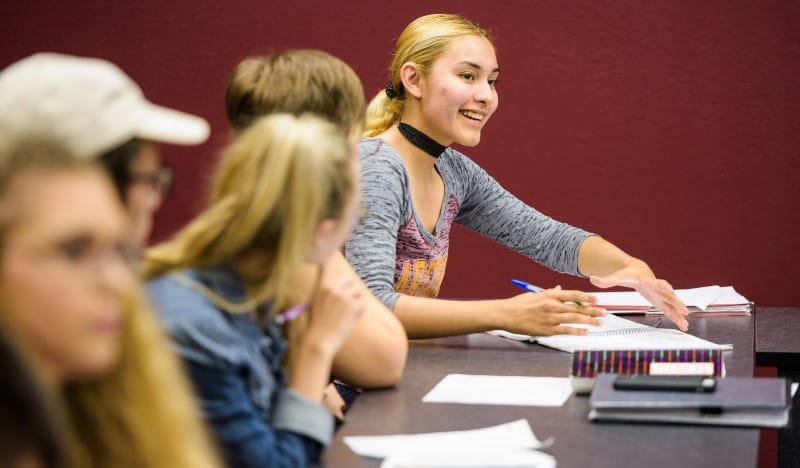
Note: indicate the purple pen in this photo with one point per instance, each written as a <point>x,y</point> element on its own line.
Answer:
<point>290,314</point>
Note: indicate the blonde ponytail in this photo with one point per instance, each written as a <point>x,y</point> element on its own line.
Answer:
<point>125,419</point>
<point>274,185</point>
<point>382,113</point>
<point>208,230</point>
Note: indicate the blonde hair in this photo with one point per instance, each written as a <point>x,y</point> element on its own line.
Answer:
<point>142,412</point>
<point>295,82</point>
<point>274,185</point>
<point>421,42</point>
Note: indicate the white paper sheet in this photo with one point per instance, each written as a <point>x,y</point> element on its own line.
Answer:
<point>468,457</point>
<point>513,435</point>
<point>500,390</point>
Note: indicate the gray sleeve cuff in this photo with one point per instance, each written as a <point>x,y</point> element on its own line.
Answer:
<point>586,235</point>
<point>295,413</point>
<point>389,299</point>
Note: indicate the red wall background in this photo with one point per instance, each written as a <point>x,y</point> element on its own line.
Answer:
<point>671,128</point>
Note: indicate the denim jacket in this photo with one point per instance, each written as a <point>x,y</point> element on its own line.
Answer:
<point>235,366</point>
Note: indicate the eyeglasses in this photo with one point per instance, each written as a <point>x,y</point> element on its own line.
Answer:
<point>82,252</point>
<point>160,180</point>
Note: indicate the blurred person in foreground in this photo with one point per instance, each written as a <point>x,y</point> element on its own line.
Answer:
<point>70,301</point>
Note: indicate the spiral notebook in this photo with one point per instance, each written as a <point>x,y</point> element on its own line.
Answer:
<point>587,364</point>
<point>617,333</point>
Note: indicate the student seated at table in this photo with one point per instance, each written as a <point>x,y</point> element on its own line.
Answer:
<point>284,198</point>
<point>69,300</point>
<point>302,81</point>
<point>94,109</point>
<point>415,186</point>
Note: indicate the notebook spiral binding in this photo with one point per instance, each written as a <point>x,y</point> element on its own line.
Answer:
<point>588,363</point>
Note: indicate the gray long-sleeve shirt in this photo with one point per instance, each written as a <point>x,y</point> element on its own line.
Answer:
<point>395,254</point>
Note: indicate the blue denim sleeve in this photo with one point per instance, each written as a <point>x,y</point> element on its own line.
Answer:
<point>245,439</point>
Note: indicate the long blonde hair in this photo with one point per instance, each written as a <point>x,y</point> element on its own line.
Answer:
<point>142,412</point>
<point>295,82</point>
<point>274,185</point>
<point>421,42</point>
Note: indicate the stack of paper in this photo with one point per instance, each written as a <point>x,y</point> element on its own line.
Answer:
<point>717,300</point>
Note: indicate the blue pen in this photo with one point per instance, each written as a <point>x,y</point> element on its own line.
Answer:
<point>526,286</point>
<point>536,289</point>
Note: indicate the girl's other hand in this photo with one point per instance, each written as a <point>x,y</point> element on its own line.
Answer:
<point>657,291</point>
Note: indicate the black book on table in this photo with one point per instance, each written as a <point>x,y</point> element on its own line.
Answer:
<point>736,401</point>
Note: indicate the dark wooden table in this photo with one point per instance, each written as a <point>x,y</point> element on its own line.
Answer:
<point>578,443</point>
<point>778,338</point>
<point>777,343</point>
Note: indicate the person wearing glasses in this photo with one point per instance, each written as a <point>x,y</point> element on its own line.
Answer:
<point>97,111</point>
<point>95,379</point>
<point>141,181</point>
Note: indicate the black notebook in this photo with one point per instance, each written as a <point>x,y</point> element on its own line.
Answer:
<point>737,401</point>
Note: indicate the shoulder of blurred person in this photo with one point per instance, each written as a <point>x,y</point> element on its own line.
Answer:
<point>30,429</point>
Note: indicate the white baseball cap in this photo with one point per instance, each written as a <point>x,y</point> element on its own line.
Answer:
<point>89,105</point>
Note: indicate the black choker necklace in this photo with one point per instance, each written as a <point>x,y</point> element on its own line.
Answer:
<point>421,140</point>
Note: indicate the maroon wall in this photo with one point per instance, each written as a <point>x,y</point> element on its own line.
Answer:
<point>671,128</point>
